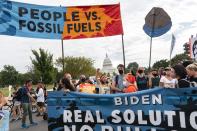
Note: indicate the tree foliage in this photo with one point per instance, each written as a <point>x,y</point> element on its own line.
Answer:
<point>43,65</point>
<point>179,58</point>
<point>161,63</point>
<point>133,65</point>
<point>77,66</point>
<point>8,76</point>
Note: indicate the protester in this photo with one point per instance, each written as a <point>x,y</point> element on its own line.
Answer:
<point>60,86</point>
<point>153,79</point>
<point>85,86</point>
<point>102,86</point>
<point>167,81</point>
<point>142,79</point>
<point>2,100</point>
<point>26,99</point>
<point>192,74</point>
<point>40,99</point>
<point>130,84</point>
<point>117,84</point>
<point>180,74</point>
<point>68,86</point>
<point>16,110</point>
<point>161,72</point>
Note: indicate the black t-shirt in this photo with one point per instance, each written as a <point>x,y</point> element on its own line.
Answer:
<point>183,83</point>
<point>142,83</point>
<point>193,79</point>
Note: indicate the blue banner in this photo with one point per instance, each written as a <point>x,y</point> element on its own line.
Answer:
<point>4,120</point>
<point>157,109</point>
<point>55,22</point>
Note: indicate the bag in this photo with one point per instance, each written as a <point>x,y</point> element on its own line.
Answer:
<point>192,84</point>
<point>116,79</point>
<point>18,95</point>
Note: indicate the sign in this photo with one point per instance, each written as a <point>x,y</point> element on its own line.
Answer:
<point>4,120</point>
<point>50,22</point>
<point>193,48</point>
<point>157,109</point>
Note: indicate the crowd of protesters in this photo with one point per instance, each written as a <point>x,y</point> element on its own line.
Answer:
<point>179,76</point>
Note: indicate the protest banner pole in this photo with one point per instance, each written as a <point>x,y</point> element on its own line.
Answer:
<point>151,40</point>
<point>123,51</point>
<point>62,41</point>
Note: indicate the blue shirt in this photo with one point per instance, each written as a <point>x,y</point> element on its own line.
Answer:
<point>119,82</point>
<point>24,97</point>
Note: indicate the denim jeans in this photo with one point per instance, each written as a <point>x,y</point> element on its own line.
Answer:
<point>27,111</point>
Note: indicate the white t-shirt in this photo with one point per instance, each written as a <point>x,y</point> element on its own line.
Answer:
<point>40,95</point>
<point>168,83</point>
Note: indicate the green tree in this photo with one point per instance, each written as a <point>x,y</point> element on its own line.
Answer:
<point>179,58</point>
<point>134,66</point>
<point>161,63</point>
<point>77,66</point>
<point>8,76</point>
<point>43,67</point>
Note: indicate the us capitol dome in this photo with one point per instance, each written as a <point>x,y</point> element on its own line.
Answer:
<point>107,66</point>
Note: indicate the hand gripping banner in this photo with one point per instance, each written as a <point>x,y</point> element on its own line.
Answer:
<point>50,22</point>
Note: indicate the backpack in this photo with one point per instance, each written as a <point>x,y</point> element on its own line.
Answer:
<point>18,95</point>
<point>116,79</point>
<point>191,83</point>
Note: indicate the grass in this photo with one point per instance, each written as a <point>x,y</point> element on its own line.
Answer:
<point>5,90</point>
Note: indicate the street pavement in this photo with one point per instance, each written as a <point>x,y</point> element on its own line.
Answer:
<point>42,125</point>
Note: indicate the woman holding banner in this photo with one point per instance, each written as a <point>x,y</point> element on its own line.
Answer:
<point>103,86</point>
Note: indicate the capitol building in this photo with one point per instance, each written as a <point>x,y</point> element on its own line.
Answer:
<point>107,66</point>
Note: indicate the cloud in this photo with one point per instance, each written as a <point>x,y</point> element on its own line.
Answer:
<point>17,51</point>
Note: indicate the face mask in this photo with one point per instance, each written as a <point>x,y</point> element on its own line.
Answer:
<point>140,71</point>
<point>154,75</point>
<point>120,72</point>
<point>83,80</point>
<point>126,84</point>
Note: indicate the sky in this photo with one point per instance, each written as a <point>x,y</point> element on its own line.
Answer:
<point>16,51</point>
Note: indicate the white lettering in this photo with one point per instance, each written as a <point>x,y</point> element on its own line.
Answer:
<point>182,119</point>
<point>78,116</point>
<point>67,116</point>
<point>170,115</point>
<point>155,120</point>
<point>140,118</point>
<point>89,117</point>
<point>129,116</point>
<point>134,100</point>
<point>118,101</point>
<point>116,118</point>
<point>99,119</point>
<point>193,117</point>
<point>157,99</point>
<point>146,100</point>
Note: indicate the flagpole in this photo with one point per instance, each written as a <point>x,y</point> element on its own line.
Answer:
<point>62,41</point>
<point>151,41</point>
<point>170,61</point>
<point>123,51</point>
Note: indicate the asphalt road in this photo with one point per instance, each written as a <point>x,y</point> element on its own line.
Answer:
<point>42,125</point>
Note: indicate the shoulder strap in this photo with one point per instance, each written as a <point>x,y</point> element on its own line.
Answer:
<point>116,79</point>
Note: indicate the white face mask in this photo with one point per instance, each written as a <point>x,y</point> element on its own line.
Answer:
<point>126,83</point>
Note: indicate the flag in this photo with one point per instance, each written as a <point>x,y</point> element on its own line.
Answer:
<point>172,44</point>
